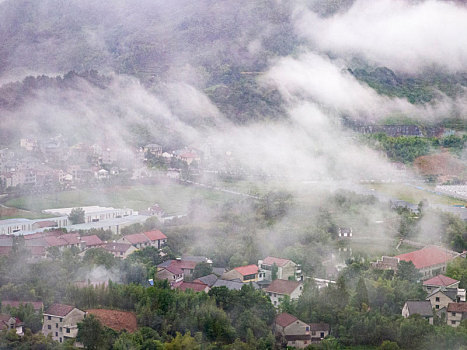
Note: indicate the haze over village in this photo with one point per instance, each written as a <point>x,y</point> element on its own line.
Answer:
<point>233,175</point>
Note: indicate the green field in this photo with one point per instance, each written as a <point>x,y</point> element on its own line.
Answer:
<point>413,195</point>
<point>172,197</point>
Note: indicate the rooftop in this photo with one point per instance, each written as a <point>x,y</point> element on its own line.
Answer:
<point>457,307</point>
<point>155,235</point>
<point>247,270</point>
<point>137,238</point>
<point>421,307</point>
<point>270,260</point>
<point>196,286</point>
<point>440,280</point>
<point>282,286</point>
<point>428,256</point>
<point>284,319</point>
<point>59,310</point>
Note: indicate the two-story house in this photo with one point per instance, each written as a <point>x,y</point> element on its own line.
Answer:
<point>286,269</point>
<point>8,322</point>
<point>441,297</point>
<point>440,281</point>
<point>456,313</point>
<point>62,321</point>
<point>279,289</point>
<point>297,333</point>
<point>119,250</point>
<point>157,238</point>
<point>172,273</point>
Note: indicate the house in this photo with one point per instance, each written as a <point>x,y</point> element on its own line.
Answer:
<point>209,280</point>
<point>38,306</point>
<point>232,285</point>
<point>278,289</point>
<point>319,331</point>
<point>440,281</point>
<point>285,269</point>
<point>386,263</point>
<point>119,250</point>
<point>456,313</point>
<point>157,238</point>
<point>441,297</point>
<point>187,267</point>
<point>430,261</point>
<point>195,286</point>
<point>344,232</point>
<point>245,274</point>
<point>62,321</point>
<point>420,307</point>
<point>295,332</point>
<point>153,148</point>
<point>172,273</point>
<point>115,319</point>
<point>91,241</point>
<point>137,240</point>
<point>9,322</point>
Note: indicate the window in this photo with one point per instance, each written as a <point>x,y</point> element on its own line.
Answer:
<point>307,328</point>
<point>56,334</point>
<point>60,329</point>
<point>313,332</point>
<point>49,317</point>
<point>61,319</point>
<point>322,334</point>
<point>453,322</point>
<point>56,325</point>
<point>49,326</point>
<point>453,313</point>
<point>60,339</point>
<point>437,306</point>
<point>68,330</point>
<point>437,298</point>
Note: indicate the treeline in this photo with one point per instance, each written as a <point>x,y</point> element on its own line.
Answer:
<point>406,149</point>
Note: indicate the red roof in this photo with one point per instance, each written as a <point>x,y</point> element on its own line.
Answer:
<point>427,256</point>
<point>282,286</point>
<point>197,287</point>
<point>284,319</point>
<point>155,235</point>
<point>38,250</point>
<point>4,321</point>
<point>137,238</point>
<point>37,305</point>
<point>55,241</point>
<point>176,270</point>
<point>59,310</point>
<point>247,270</point>
<point>270,260</point>
<point>440,280</point>
<point>457,307</point>
<point>92,240</point>
<point>117,247</point>
<point>71,238</point>
<point>116,320</point>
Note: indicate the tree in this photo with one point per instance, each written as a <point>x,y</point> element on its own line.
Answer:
<point>76,216</point>
<point>91,333</point>
<point>388,345</point>
<point>202,269</point>
<point>361,294</point>
<point>406,271</point>
<point>274,272</point>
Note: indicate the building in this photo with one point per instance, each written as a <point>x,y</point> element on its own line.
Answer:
<point>186,266</point>
<point>209,280</point>
<point>94,213</point>
<point>279,289</point>
<point>245,274</point>
<point>295,332</point>
<point>91,241</point>
<point>345,232</point>
<point>441,297</point>
<point>440,281</point>
<point>154,149</point>
<point>430,261</point>
<point>119,250</point>
<point>195,286</point>
<point>286,269</point>
<point>171,273</point>
<point>157,238</point>
<point>419,307</point>
<point>319,331</point>
<point>8,322</point>
<point>137,240</point>
<point>232,285</point>
<point>456,313</point>
<point>62,321</point>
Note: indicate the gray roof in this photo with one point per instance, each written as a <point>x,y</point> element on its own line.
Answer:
<point>219,271</point>
<point>421,307</point>
<point>232,285</point>
<point>195,258</point>
<point>209,279</point>
<point>451,293</point>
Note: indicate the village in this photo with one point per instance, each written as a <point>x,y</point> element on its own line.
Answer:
<point>281,280</point>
